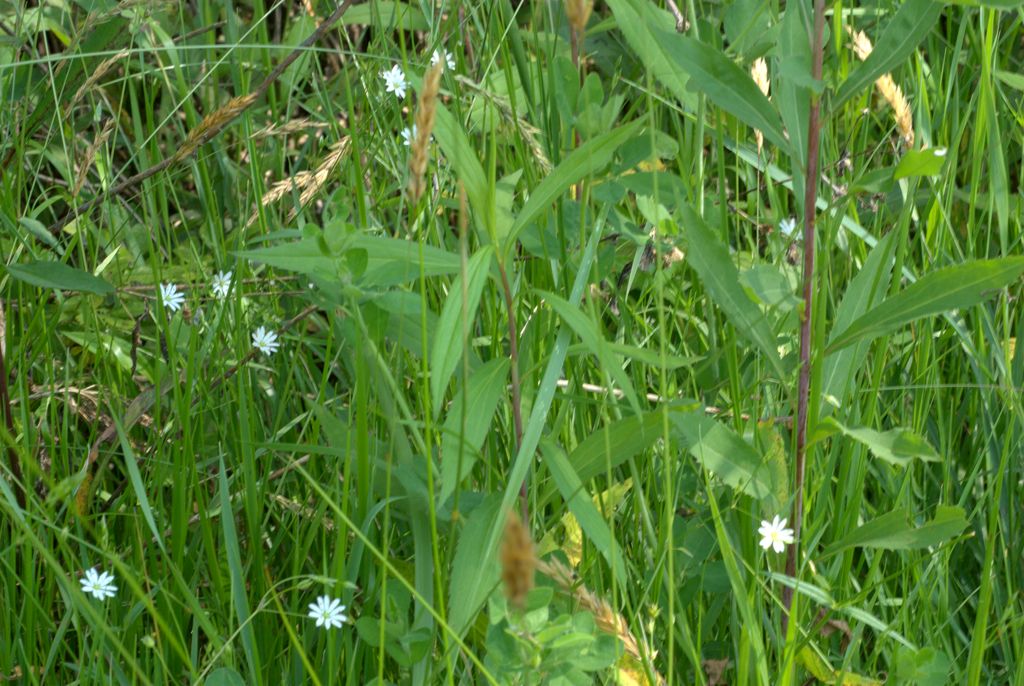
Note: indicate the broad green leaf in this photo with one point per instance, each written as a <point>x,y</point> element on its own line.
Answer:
<point>895,446</point>
<point>772,286</point>
<point>924,667</point>
<point>776,464</point>
<point>102,343</point>
<point>725,84</point>
<point>874,181</point>
<point>866,290</point>
<point>725,454</point>
<point>609,446</point>
<point>893,531</point>
<point>304,256</point>
<point>479,399</point>
<point>588,332</point>
<point>813,663</point>
<point>224,676</point>
<point>920,163</point>
<point>390,261</point>
<point>462,301</point>
<point>581,504</point>
<point>386,14</point>
<point>635,20</point>
<point>39,230</point>
<point>59,276</point>
<point>710,259</point>
<point>457,150</point>
<point>945,289</point>
<point>665,53</point>
<point>912,22</point>
<point>1008,77</point>
<point>824,673</point>
<point>653,357</point>
<point>474,569</point>
<point>589,158</point>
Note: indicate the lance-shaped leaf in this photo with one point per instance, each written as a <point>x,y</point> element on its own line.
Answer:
<point>463,299</point>
<point>945,289</point>
<point>589,158</point>
<point>893,531</point>
<point>710,259</point>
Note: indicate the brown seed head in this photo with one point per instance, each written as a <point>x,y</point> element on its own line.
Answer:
<point>426,109</point>
<point>517,561</point>
<point>578,12</point>
<point>759,72</point>
<point>892,93</point>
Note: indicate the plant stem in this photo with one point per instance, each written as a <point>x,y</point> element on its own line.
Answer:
<point>513,353</point>
<point>803,390</point>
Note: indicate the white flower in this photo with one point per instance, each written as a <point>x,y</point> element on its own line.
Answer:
<point>173,300</point>
<point>939,152</point>
<point>328,612</point>
<point>265,340</point>
<point>788,226</point>
<point>221,284</point>
<point>774,534</point>
<point>448,59</point>
<point>101,584</point>
<point>394,81</point>
<point>408,135</point>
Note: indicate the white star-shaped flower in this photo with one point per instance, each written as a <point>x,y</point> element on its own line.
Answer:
<point>448,59</point>
<point>99,584</point>
<point>774,534</point>
<point>328,612</point>
<point>221,284</point>
<point>172,297</point>
<point>408,135</point>
<point>265,340</point>
<point>394,81</point>
<point>788,226</point>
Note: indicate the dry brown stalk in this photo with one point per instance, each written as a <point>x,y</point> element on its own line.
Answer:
<point>90,156</point>
<point>423,126</point>
<point>892,93</point>
<point>607,619</point>
<point>759,72</point>
<point>517,560</point>
<point>308,182</point>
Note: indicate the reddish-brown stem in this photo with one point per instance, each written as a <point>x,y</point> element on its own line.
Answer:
<point>513,353</point>
<point>803,389</point>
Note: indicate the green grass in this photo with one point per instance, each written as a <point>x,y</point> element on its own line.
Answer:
<point>374,456</point>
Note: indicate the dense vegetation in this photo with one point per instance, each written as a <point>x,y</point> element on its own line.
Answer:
<point>491,343</point>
